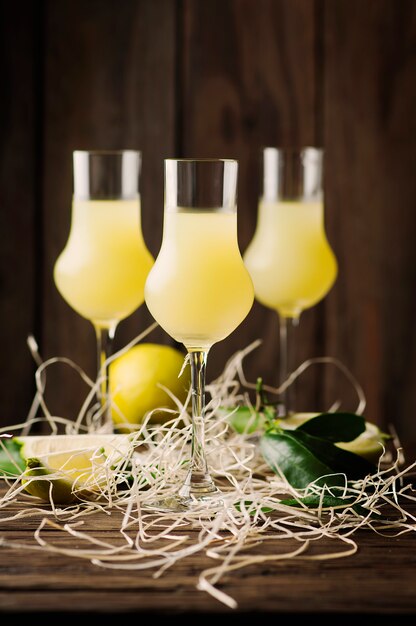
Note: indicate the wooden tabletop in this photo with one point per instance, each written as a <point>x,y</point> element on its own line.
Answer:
<point>380,579</point>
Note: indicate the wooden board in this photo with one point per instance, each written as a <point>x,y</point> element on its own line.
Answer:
<point>379,580</point>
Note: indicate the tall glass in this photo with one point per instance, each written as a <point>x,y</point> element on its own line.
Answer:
<point>199,289</point>
<point>289,258</point>
<point>102,270</point>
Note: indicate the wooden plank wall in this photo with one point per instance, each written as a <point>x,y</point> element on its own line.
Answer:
<point>370,136</point>
<point>20,210</point>
<point>217,78</point>
<point>109,82</point>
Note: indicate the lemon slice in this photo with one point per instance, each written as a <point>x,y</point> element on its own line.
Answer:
<point>70,467</point>
<point>369,444</point>
<point>296,419</point>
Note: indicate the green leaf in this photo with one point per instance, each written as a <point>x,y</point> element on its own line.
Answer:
<point>245,420</point>
<point>251,511</point>
<point>303,458</point>
<point>270,413</point>
<point>334,427</point>
<point>328,502</point>
<point>11,462</point>
<point>299,465</point>
<point>341,461</point>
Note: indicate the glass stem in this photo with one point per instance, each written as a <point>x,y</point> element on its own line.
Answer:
<point>198,481</point>
<point>105,337</point>
<point>287,327</point>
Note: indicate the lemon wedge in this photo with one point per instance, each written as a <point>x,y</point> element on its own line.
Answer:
<point>66,468</point>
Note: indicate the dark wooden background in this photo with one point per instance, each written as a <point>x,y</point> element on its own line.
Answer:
<point>216,78</point>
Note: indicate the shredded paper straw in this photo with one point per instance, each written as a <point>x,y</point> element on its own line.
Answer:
<point>249,513</point>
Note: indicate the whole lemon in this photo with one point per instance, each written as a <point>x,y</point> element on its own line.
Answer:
<point>135,384</point>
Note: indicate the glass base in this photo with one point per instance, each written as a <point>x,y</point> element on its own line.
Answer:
<point>176,504</point>
<point>197,493</point>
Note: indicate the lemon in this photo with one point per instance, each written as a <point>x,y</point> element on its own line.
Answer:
<point>137,379</point>
<point>369,444</point>
<point>66,467</point>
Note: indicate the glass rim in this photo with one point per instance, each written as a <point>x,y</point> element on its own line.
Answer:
<point>295,149</point>
<point>200,160</point>
<point>202,184</point>
<point>106,174</point>
<point>107,152</point>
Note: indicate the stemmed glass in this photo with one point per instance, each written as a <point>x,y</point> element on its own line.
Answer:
<point>199,290</point>
<point>102,270</point>
<point>289,258</point>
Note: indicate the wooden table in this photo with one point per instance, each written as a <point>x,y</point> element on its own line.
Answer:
<point>378,580</point>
